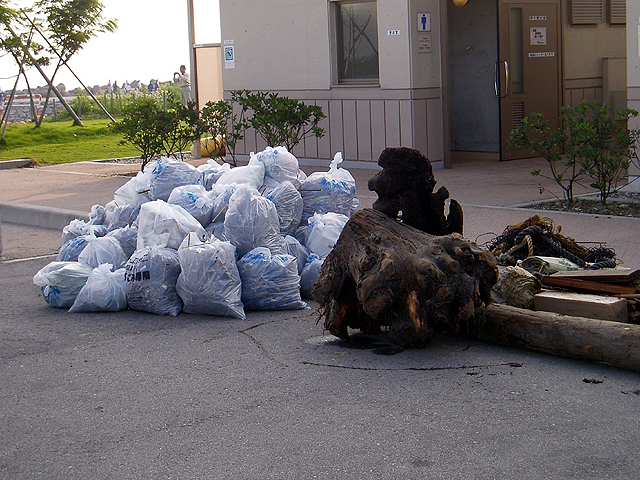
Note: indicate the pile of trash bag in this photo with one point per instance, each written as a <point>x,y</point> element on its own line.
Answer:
<point>212,240</point>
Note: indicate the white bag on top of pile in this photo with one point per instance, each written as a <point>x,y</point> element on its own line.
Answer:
<point>269,282</point>
<point>105,291</point>
<point>128,238</point>
<point>252,174</point>
<point>97,215</point>
<point>79,227</point>
<point>296,249</point>
<point>332,191</point>
<point>135,191</point>
<point>195,200</point>
<point>101,250</point>
<point>167,174</point>
<point>323,232</point>
<point>160,223</point>
<point>279,164</point>
<point>288,202</point>
<point>69,251</point>
<point>310,274</point>
<point>120,216</point>
<point>211,172</point>
<point>151,276</point>
<point>60,282</point>
<point>252,221</point>
<point>209,282</point>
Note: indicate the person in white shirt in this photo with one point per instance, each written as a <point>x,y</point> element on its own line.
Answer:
<point>182,80</point>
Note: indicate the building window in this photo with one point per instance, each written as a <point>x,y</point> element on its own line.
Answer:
<point>357,41</point>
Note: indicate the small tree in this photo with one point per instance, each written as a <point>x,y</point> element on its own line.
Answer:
<point>280,120</point>
<point>225,126</point>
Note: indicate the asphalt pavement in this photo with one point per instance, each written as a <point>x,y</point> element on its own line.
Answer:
<point>131,395</point>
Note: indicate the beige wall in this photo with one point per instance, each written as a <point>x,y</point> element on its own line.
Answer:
<point>208,61</point>
<point>633,73</point>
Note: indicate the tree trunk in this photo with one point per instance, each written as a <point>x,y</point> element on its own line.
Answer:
<point>613,343</point>
<point>383,273</point>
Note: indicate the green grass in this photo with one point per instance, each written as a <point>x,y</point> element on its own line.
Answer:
<point>61,142</point>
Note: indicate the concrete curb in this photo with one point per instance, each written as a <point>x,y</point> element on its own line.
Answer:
<point>17,163</point>
<point>39,216</point>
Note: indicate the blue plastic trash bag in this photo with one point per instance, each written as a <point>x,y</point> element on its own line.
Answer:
<point>288,202</point>
<point>101,250</point>
<point>310,274</point>
<point>60,282</point>
<point>167,174</point>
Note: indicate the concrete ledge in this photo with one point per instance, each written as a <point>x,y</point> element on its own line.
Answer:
<point>39,216</point>
<point>17,163</point>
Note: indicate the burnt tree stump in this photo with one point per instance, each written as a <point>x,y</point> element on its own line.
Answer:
<point>405,191</point>
<point>384,273</point>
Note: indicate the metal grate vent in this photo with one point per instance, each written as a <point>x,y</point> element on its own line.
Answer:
<point>586,12</point>
<point>618,12</point>
<point>517,115</point>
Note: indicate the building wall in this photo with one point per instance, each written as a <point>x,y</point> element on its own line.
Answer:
<point>285,46</point>
<point>585,48</point>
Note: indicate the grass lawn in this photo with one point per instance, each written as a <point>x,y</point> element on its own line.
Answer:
<point>61,142</point>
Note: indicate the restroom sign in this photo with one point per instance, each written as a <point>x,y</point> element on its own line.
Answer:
<point>424,22</point>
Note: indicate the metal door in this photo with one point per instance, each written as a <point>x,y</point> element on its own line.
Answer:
<point>528,69</point>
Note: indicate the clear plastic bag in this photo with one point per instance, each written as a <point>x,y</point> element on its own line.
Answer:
<point>128,238</point>
<point>252,174</point>
<point>288,202</point>
<point>151,275</point>
<point>324,231</point>
<point>136,191</point>
<point>310,274</point>
<point>195,200</point>
<point>101,250</point>
<point>211,172</point>
<point>269,282</point>
<point>120,216</point>
<point>297,250</point>
<point>69,251</point>
<point>105,291</point>
<point>160,223</point>
<point>79,227</point>
<point>60,282</point>
<point>252,221</point>
<point>279,164</point>
<point>332,191</point>
<point>209,282</point>
<point>167,174</point>
<point>97,215</point>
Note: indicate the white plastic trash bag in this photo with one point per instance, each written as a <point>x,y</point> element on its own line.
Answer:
<point>167,174</point>
<point>105,291</point>
<point>209,282</point>
<point>324,231</point>
<point>269,282</point>
<point>128,238</point>
<point>79,227</point>
<point>97,215</point>
<point>101,250</point>
<point>151,275</point>
<point>332,191</point>
<point>310,274</point>
<point>120,216</point>
<point>195,200</point>
<point>279,164</point>
<point>136,191</point>
<point>69,251</point>
<point>288,202</point>
<point>60,282</point>
<point>211,172</point>
<point>252,221</point>
<point>160,223</point>
<point>251,174</point>
<point>297,250</point>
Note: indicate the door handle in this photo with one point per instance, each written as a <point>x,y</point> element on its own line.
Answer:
<point>496,79</point>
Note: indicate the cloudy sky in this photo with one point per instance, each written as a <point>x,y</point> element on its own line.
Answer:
<point>152,41</point>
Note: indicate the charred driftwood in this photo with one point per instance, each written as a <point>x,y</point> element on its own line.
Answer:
<point>405,191</point>
<point>384,273</point>
<point>613,343</point>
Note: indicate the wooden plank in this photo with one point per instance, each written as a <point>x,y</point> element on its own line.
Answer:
<point>614,343</point>
<point>586,285</point>
<point>617,275</point>
<point>582,305</point>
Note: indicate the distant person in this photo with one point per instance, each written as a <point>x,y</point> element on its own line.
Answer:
<point>183,81</point>
<point>127,87</point>
<point>153,86</point>
<point>109,88</point>
<point>115,87</point>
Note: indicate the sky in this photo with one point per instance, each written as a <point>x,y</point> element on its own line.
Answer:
<point>152,41</point>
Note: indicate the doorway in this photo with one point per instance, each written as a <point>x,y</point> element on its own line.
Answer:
<point>503,65</point>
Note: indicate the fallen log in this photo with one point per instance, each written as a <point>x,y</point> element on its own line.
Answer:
<point>383,273</point>
<point>616,344</point>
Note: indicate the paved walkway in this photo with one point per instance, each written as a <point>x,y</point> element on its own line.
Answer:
<point>488,191</point>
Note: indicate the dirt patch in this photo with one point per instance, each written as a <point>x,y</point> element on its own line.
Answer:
<point>620,205</point>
